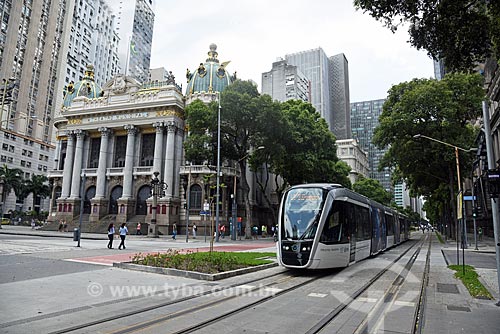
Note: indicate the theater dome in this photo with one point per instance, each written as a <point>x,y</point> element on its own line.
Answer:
<point>210,77</point>
<point>87,87</point>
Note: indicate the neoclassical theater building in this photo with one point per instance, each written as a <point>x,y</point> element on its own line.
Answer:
<point>111,141</point>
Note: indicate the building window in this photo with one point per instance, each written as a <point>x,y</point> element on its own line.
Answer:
<point>147,149</point>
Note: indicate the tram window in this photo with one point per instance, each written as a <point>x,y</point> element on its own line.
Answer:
<point>335,229</point>
<point>363,222</point>
<point>390,224</point>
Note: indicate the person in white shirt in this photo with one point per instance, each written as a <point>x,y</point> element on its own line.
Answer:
<point>123,234</point>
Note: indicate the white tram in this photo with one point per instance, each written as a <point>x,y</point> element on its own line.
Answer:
<point>328,226</point>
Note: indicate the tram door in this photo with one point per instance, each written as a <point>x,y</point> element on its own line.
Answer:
<point>351,214</point>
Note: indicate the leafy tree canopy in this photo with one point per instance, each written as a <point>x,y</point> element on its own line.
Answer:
<point>461,32</point>
<point>438,109</point>
<point>372,189</point>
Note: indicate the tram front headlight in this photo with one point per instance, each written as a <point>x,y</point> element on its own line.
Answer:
<point>286,248</point>
<point>306,248</point>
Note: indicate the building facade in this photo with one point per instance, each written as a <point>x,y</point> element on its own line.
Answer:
<point>286,82</point>
<point>329,87</point>
<point>134,27</point>
<point>93,40</point>
<point>364,120</point>
<point>31,36</point>
<point>110,142</point>
<point>349,151</point>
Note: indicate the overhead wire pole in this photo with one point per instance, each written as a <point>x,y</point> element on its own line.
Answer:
<point>457,162</point>
<point>494,204</point>
<point>217,222</point>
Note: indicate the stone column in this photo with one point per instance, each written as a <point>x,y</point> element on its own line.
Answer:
<point>129,161</point>
<point>178,160</point>
<point>57,154</point>
<point>103,157</point>
<point>77,165</point>
<point>158,158</point>
<point>169,158</point>
<point>68,166</point>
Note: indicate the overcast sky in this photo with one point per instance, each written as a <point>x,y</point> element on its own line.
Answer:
<point>253,34</point>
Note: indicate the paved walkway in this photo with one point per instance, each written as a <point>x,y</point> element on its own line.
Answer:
<point>449,306</point>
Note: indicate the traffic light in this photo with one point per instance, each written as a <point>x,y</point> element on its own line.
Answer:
<point>493,183</point>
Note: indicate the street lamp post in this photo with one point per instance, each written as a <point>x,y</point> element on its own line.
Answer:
<point>217,199</point>
<point>157,189</point>
<point>457,161</point>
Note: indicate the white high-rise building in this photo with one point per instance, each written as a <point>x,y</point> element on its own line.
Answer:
<point>93,40</point>
<point>285,82</point>
<point>134,26</point>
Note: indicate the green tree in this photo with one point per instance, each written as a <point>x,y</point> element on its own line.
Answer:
<point>442,110</point>
<point>38,186</point>
<point>308,152</point>
<point>462,32</point>
<point>11,179</point>
<point>372,189</point>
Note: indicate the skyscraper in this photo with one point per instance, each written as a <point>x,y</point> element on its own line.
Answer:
<point>339,96</point>
<point>364,120</point>
<point>134,26</point>
<point>285,82</point>
<point>93,40</point>
<point>329,79</point>
<point>31,36</point>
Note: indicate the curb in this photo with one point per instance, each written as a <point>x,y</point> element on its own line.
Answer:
<point>192,274</point>
<point>50,235</point>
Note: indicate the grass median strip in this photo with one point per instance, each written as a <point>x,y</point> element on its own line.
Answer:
<point>471,281</point>
<point>204,262</point>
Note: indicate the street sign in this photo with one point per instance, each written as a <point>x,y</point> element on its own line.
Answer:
<point>469,198</point>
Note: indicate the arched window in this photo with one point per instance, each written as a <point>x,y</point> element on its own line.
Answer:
<point>142,195</point>
<point>116,193</point>
<point>195,197</point>
<point>89,194</point>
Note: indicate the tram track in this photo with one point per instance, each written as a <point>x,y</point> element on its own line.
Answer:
<point>382,306</point>
<point>252,305</point>
<point>121,315</point>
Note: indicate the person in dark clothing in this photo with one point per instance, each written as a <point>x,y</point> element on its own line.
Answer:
<point>111,235</point>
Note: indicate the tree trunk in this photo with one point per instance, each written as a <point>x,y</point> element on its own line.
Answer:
<point>248,209</point>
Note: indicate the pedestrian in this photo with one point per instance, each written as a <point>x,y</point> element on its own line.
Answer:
<point>174,231</point>
<point>32,223</point>
<point>480,232</point>
<point>222,231</point>
<point>111,235</point>
<point>264,231</point>
<point>138,229</point>
<point>123,234</point>
<point>255,231</point>
<point>60,226</point>
<point>194,231</point>
<point>65,226</point>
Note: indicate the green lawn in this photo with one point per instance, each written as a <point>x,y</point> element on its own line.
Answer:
<point>204,262</point>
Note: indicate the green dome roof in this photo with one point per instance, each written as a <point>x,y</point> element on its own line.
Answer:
<point>86,87</point>
<point>209,77</point>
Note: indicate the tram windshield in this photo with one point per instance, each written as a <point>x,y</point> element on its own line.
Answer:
<point>301,213</point>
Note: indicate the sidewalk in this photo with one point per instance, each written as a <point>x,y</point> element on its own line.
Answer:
<point>449,307</point>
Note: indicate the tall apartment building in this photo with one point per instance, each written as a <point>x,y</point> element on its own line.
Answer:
<point>93,40</point>
<point>286,82</point>
<point>329,87</point>
<point>31,35</point>
<point>134,26</point>
<point>364,120</point>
